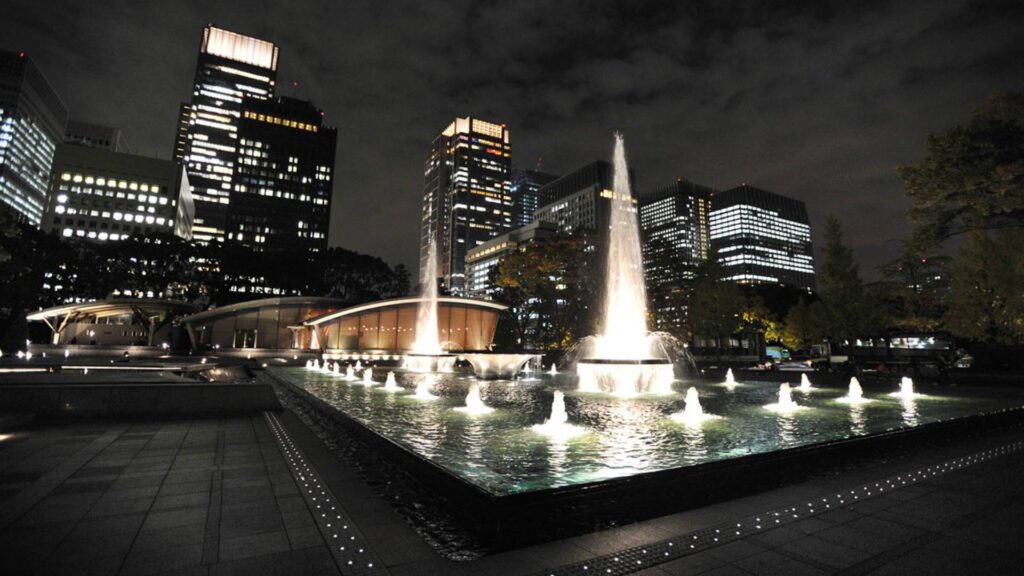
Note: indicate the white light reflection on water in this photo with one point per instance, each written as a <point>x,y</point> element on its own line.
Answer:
<point>858,423</point>
<point>503,454</point>
<point>909,405</point>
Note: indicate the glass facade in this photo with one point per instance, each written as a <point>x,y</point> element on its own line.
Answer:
<point>674,221</point>
<point>32,123</point>
<point>281,197</point>
<point>467,194</point>
<point>480,261</point>
<point>762,237</point>
<point>272,323</point>
<point>525,200</point>
<point>580,200</point>
<point>231,67</point>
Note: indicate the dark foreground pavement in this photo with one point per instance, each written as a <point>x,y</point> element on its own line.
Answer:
<point>261,494</point>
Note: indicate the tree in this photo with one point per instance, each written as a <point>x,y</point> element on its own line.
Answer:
<point>549,288</point>
<point>358,278</point>
<point>846,311</point>
<point>987,304</point>
<point>800,328</point>
<point>716,304</point>
<point>756,318</point>
<point>916,289</point>
<point>972,177</point>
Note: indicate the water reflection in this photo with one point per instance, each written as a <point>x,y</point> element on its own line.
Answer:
<point>696,443</point>
<point>502,453</point>
<point>787,428</point>
<point>858,423</point>
<point>909,414</point>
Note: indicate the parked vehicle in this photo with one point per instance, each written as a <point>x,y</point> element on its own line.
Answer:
<point>905,352</point>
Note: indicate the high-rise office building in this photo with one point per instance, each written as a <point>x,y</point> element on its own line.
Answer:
<point>466,194</point>
<point>32,123</point>
<point>762,237</point>
<point>281,195</point>
<point>482,259</point>
<point>525,186</point>
<point>261,167</point>
<point>104,195</point>
<point>230,68</point>
<point>95,136</point>
<point>580,200</point>
<point>674,222</point>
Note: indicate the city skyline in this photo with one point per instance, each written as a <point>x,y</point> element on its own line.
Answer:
<point>712,95</point>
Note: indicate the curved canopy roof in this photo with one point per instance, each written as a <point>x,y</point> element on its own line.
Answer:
<point>315,301</point>
<point>401,301</point>
<point>112,305</point>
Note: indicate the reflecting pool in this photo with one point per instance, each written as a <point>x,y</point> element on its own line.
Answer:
<point>501,452</point>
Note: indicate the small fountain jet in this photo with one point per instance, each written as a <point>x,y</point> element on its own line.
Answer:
<point>423,390</point>
<point>855,395</point>
<point>474,404</point>
<point>730,380</point>
<point>693,413</point>
<point>906,391</point>
<point>557,425</point>
<point>785,403</point>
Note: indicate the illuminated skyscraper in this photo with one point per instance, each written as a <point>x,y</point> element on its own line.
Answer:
<point>581,200</point>
<point>281,196</point>
<point>104,195</point>
<point>261,167</point>
<point>762,237</point>
<point>231,67</point>
<point>674,221</point>
<point>525,185</point>
<point>466,194</point>
<point>32,123</point>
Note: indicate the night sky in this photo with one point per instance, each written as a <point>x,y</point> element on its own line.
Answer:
<point>821,103</point>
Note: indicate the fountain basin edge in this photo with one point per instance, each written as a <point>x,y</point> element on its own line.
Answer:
<point>501,522</point>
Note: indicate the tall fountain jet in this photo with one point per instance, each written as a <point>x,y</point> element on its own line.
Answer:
<point>427,354</point>
<point>623,360</point>
<point>625,303</point>
<point>427,341</point>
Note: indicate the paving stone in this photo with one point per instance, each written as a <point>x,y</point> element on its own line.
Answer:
<point>693,564</point>
<point>119,507</point>
<point>168,537</point>
<point>769,563</point>
<point>162,559</point>
<point>305,562</point>
<point>128,523</point>
<point>777,536</point>
<point>250,525</point>
<point>173,518</point>
<point>178,501</point>
<point>735,550</point>
<point>255,545</point>
<point>812,549</point>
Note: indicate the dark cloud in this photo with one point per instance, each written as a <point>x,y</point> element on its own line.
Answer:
<point>820,101</point>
